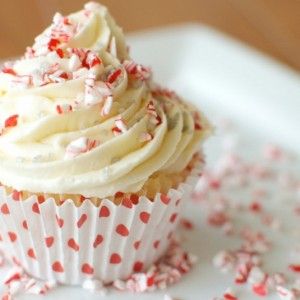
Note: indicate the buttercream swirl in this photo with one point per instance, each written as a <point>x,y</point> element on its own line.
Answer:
<point>79,117</point>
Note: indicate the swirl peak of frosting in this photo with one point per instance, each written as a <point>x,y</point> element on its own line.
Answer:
<point>78,116</point>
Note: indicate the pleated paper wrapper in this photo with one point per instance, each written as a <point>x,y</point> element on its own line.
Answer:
<point>70,244</point>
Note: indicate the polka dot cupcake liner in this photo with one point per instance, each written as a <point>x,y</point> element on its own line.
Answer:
<point>70,244</point>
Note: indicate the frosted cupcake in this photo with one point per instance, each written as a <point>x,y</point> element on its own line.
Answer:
<point>95,159</point>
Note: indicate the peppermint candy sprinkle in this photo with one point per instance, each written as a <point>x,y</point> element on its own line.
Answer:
<point>166,271</point>
<point>59,33</point>
<point>137,71</point>
<point>108,102</point>
<point>96,92</point>
<point>154,117</point>
<point>64,108</point>
<point>114,76</point>
<point>11,121</point>
<point>120,126</point>
<point>79,146</point>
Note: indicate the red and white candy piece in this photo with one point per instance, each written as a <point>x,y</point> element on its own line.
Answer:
<point>114,77</point>
<point>106,108</point>
<point>14,274</point>
<point>64,108</point>
<point>137,71</point>
<point>151,111</point>
<point>256,275</point>
<point>59,76</point>
<point>74,62</point>
<point>229,295</point>
<point>284,293</point>
<point>120,126</point>
<point>91,60</point>
<point>96,92</point>
<point>225,261</point>
<point>94,286</point>
<point>8,68</point>
<point>11,121</point>
<point>79,146</point>
<point>22,81</point>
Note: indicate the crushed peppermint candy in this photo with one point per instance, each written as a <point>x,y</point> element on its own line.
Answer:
<point>55,37</point>
<point>137,71</point>
<point>80,146</point>
<point>114,76</point>
<point>64,108</point>
<point>120,126</point>
<point>18,282</point>
<point>96,91</point>
<point>11,121</point>
<point>107,106</point>
<point>80,63</point>
<point>168,270</point>
<point>154,116</point>
<point>230,295</point>
<point>94,286</point>
<point>244,196</point>
<point>295,268</point>
<point>74,62</point>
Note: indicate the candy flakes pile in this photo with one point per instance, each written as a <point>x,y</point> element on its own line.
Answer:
<point>256,204</point>
<point>168,270</point>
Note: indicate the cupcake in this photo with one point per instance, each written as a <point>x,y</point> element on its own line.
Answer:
<point>96,159</point>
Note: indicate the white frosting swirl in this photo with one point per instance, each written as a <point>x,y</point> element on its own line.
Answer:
<point>77,118</point>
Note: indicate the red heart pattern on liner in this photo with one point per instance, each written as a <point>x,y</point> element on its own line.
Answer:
<point>104,212</point>
<point>35,208</point>
<point>122,230</point>
<point>25,224</point>
<point>87,269</point>
<point>115,258</point>
<point>31,253</point>
<point>127,202</point>
<point>81,220</point>
<point>59,221</point>
<point>144,216</point>
<point>16,195</point>
<point>173,217</point>
<point>137,244</point>
<point>98,240</point>
<point>165,199</point>
<point>73,245</point>
<point>138,266</point>
<point>12,236</point>
<point>5,209</point>
<point>57,267</point>
<point>49,241</point>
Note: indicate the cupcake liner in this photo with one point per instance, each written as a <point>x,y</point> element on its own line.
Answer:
<point>70,244</point>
